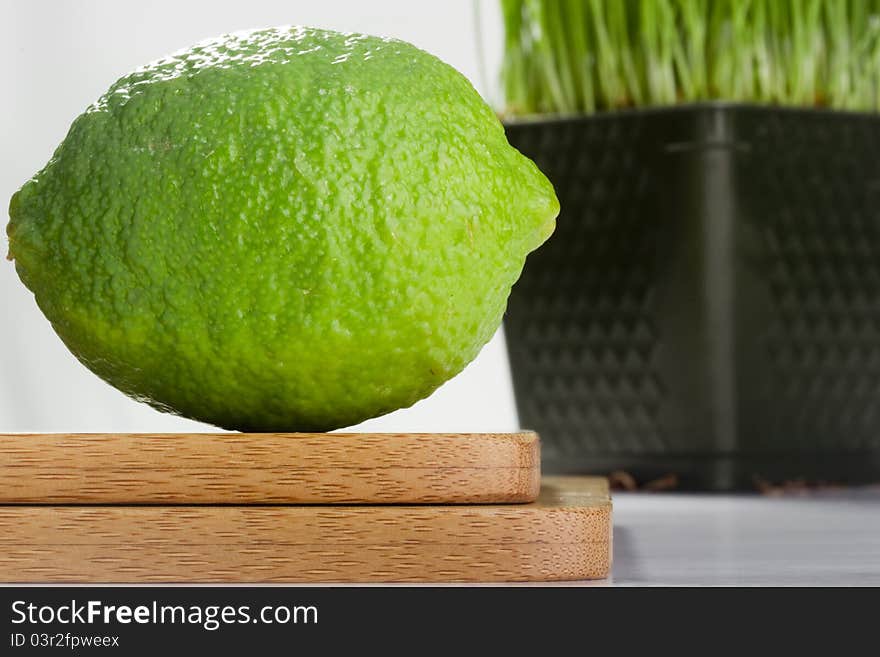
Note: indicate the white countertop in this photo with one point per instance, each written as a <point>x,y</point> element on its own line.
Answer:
<point>831,538</point>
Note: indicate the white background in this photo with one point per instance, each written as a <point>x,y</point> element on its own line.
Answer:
<point>56,57</point>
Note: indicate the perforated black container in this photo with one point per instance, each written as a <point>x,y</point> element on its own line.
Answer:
<point>709,305</point>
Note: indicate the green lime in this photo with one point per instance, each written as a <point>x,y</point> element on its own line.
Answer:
<point>285,229</point>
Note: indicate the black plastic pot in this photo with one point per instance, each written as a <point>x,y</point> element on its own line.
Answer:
<point>709,306</point>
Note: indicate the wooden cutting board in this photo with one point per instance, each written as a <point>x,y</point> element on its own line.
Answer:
<point>564,535</point>
<point>269,468</point>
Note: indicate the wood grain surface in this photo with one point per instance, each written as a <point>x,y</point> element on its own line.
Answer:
<point>269,468</point>
<point>564,535</point>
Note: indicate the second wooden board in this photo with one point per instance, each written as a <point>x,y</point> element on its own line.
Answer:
<point>332,468</point>
<point>564,535</point>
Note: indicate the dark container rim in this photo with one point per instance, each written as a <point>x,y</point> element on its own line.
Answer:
<point>684,108</point>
